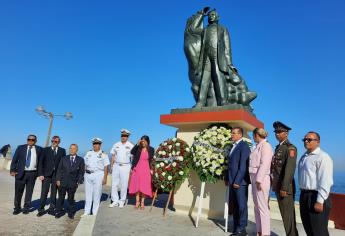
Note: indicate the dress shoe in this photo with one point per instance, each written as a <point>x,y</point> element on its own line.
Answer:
<point>51,211</point>
<point>26,211</point>
<point>40,213</point>
<point>239,233</point>
<point>71,216</point>
<point>59,214</point>
<point>17,211</point>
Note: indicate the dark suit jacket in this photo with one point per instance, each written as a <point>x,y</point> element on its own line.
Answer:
<point>238,165</point>
<point>224,49</point>
<point>19,159</point>
<point>70,176</point>
<point>136,151</point>
<point>49,163</point>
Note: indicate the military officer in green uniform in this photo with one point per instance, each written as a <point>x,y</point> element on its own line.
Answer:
<point>282,173</point>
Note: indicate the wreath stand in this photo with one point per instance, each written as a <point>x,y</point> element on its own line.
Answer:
<point>201,196</point>
<point>226,210</point>
<point>167,204</point>
<point>226,207</point>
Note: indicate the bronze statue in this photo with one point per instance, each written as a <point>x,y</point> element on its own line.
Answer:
<point>215,80</point>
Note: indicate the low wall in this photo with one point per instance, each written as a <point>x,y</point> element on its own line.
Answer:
<point>337,210</point>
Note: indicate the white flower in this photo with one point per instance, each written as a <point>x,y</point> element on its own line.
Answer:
<point>180,158</point>
<point>163,174</point>
<point>157,166</point>
<point>221,161</point>
<point>164,153</point>
<point>173,153</point>
<point>170,146</point>
<point>162,186</point>
<point>166,162</point>
<point>161,164</point>
<point>177,153</point>
<point>187,150</point>
<point>174,164</point>
<point>174,139</point>
<point>194,159</point>
<point>203,170</point>
<point>178,144</point>
<point>156,175</point>
<point>160,153</point>
<point>164,144</point>
<point>181,172</point>
<point>197,163</point>
<point>218,172</point>
<point>169,177</point>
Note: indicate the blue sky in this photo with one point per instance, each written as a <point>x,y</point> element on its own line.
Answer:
<point>120,64</point>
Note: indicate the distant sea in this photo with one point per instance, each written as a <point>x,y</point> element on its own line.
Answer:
<point>338,184</point>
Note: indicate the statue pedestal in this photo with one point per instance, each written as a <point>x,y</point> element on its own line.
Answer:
<point>188,125</point>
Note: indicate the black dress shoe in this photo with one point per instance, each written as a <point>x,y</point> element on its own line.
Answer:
<point>26,211</point>
<point>51,211</point>
<point>17,211</point>
<point>40,213</point>
<point>239,233</point>
<point>71,216</point>
<point>59,214</point>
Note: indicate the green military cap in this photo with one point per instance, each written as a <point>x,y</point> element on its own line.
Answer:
<point>280,127</point>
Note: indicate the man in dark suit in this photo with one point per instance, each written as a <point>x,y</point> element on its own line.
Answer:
<point>238,180</point>
<point>49,162</point>
<point>24,168</point>
<point>69,175</point>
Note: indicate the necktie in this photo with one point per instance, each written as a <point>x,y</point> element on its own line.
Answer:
<point>55,151</point>
<point>72,160</point>
<point>28,158</point>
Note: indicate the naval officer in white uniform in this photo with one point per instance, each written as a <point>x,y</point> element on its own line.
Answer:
<point>120,167</point>
<point>96,171</point>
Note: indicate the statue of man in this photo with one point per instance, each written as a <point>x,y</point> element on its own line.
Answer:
<point>215,60</point>
<point>215,81</point>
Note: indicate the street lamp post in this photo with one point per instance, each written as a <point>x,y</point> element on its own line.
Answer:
<point>46,114</point>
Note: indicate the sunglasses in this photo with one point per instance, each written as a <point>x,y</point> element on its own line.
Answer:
<point>55,141</point>
<point>31,139</point>
<point>308,140</point>
<point>123,135</point>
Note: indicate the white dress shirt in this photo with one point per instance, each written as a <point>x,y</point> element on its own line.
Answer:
<point>235,145</point>
<point>33,161</point>
<point>315,172</point>
<point>122,152</point>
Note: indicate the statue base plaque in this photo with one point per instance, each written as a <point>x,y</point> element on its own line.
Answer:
<point>189,123</point>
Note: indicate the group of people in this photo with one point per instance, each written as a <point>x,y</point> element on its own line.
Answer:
<point>274,170</point>
<point>264,168</point>
<point>62,174</point>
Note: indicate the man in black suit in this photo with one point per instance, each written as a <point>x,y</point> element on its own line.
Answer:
<point>69,175</point>
<point>49,162</point>
<point>24,168</point>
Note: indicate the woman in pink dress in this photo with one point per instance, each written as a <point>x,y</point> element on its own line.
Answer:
<point>140,180</point>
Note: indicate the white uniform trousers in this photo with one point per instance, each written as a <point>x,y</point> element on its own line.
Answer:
<point>93,191</point>
<point>120,178</point>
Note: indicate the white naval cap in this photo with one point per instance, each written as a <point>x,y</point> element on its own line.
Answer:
<point>96,140</point>
<point>125,132</point>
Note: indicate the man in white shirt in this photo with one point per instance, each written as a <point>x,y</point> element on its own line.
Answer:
<point>315,175</point>
<point>120,168</point>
